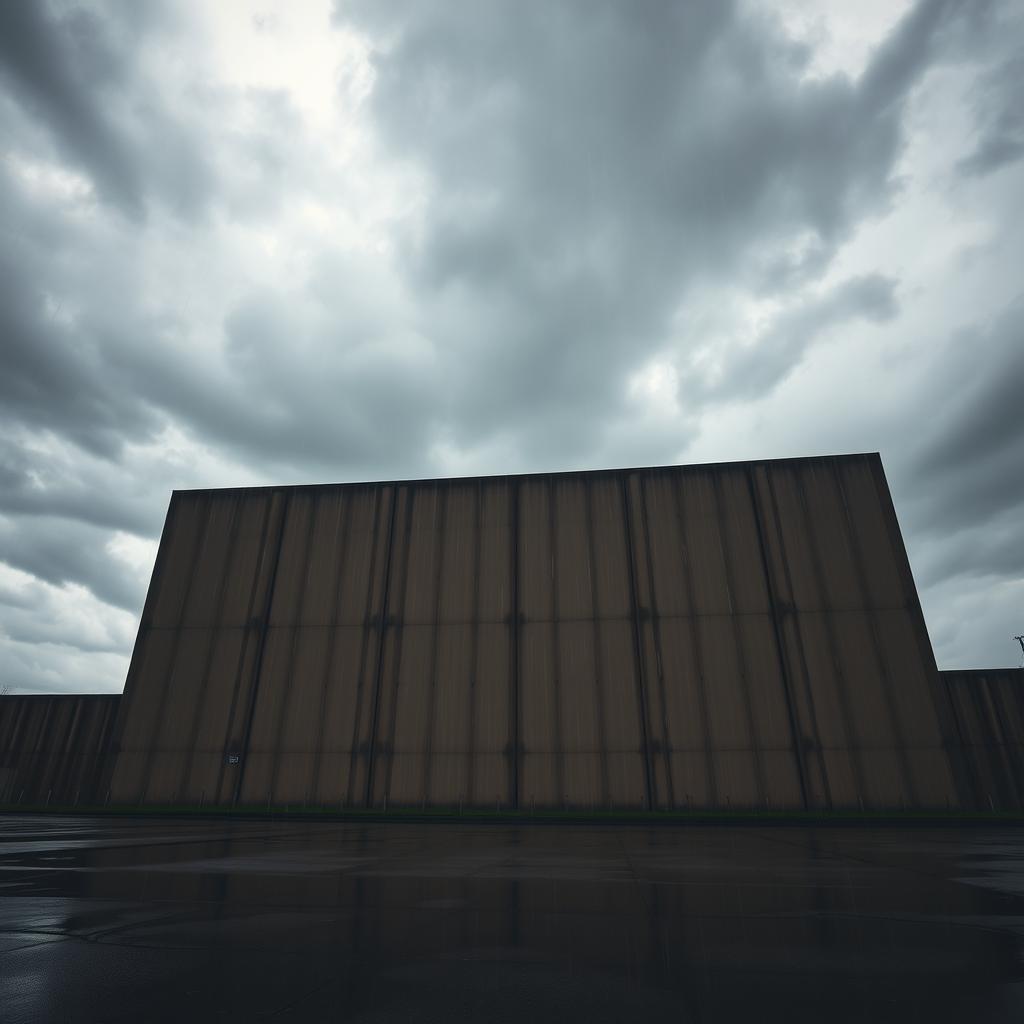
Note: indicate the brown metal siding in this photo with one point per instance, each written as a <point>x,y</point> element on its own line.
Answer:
<point>989,709</point>
<point>737,636</point>
<point>53,749</point>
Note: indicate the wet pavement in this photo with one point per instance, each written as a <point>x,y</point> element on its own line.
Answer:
<point>107,919</point>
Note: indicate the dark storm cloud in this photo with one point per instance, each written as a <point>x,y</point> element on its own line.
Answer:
<point>968,465</point>
<point>997,107</point>
<point>754,370</point>
<point>592,163</point>
<point>79,489</point>
<point>59,551</point>
<point>76,71</point>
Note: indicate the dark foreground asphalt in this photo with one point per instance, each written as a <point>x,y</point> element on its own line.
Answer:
<point>105,919</point>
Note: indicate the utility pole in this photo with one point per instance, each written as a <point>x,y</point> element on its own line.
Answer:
<point>1020,640</point>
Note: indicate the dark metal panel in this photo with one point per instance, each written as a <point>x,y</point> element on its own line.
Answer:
<point>138,723</point>
<point>702,538</point>
<point>726,580</point>
<point>174,734</point>
<point>286,606</point>
<point>186,522</point>
<point>663,588</point>
<point>487,773</point>
<point>389,649</point>
<point>748,590</point>
<point>989,712</point>
<point>205,593</point>
<point>579,714</point>
<point>424,555</point>
<point>739,555</point>
<point>837,585</point>
<point>328,551</point>
<point>295,752</point>
<point>791,653</point>
<point>449,722</point>
<point>363,584</point>
<point>866,515</point>
<point>769,714</point>
<point>148,689</point>
<point>736,761</point>
<point>647,617</point>
<point>340,774</point>
<point>402,783</point>
<point>609,555</point>
<point>53,748</point>
<point>840,751</point>
<point>248,687</point>
<point>536,577</point>
<point>458,538</point>
<point>622,734</point>
<point>571,549</point>
<point>257,776</point>
<point>540,779</point>
<point>494,573</point>
<point>689,729</point>
<point>202,779</point>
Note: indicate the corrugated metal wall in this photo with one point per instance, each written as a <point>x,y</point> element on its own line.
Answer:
<point>730,636</point>
<point>53,749</point>
<point>989,706</point>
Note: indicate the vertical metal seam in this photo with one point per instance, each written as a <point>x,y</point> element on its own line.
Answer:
<point>514,653</point>
<point>556,651</point>
<point>1009,715</point>
<point>399,645</point>
<point>381,639</point>
<point>474,641</point>
<point>638,654</point>
<point>853,743</point>
<point>68,747</point>
<point>738,638</point>
<point>261,644</point>
<point>798,632</point>
<point>442,495</point>
<point>30,762</point>
<point>189,761</point>
<point>172,661</point>
<point>343,528</point>
<point>287,684</point>
<point>243,646</point>
<point>106,741</point>
<point>794,722</point>
<point>987,774</point>
<point>364,636</point>
<point>997,744</point>
<point>655,617</point>
<point>599,682</point>
<point>876,644</point>
<point>697,648</point>
<point>17,747</point>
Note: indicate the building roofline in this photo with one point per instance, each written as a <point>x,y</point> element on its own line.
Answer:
<point>561,474</point>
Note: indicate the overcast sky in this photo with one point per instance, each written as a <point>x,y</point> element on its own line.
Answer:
<point>248,243</point>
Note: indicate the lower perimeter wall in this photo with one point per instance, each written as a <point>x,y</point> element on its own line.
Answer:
<point>56,750</point>
<point>53,749</point>
<point>988,706</point>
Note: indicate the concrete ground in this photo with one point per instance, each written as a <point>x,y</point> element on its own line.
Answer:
<point>145,919</point>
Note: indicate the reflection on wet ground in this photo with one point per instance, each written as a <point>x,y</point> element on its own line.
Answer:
<point>146,919</point>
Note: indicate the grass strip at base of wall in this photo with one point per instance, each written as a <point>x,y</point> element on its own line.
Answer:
<point>530,817</point>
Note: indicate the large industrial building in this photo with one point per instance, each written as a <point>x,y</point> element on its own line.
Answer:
<point>727,637</point>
